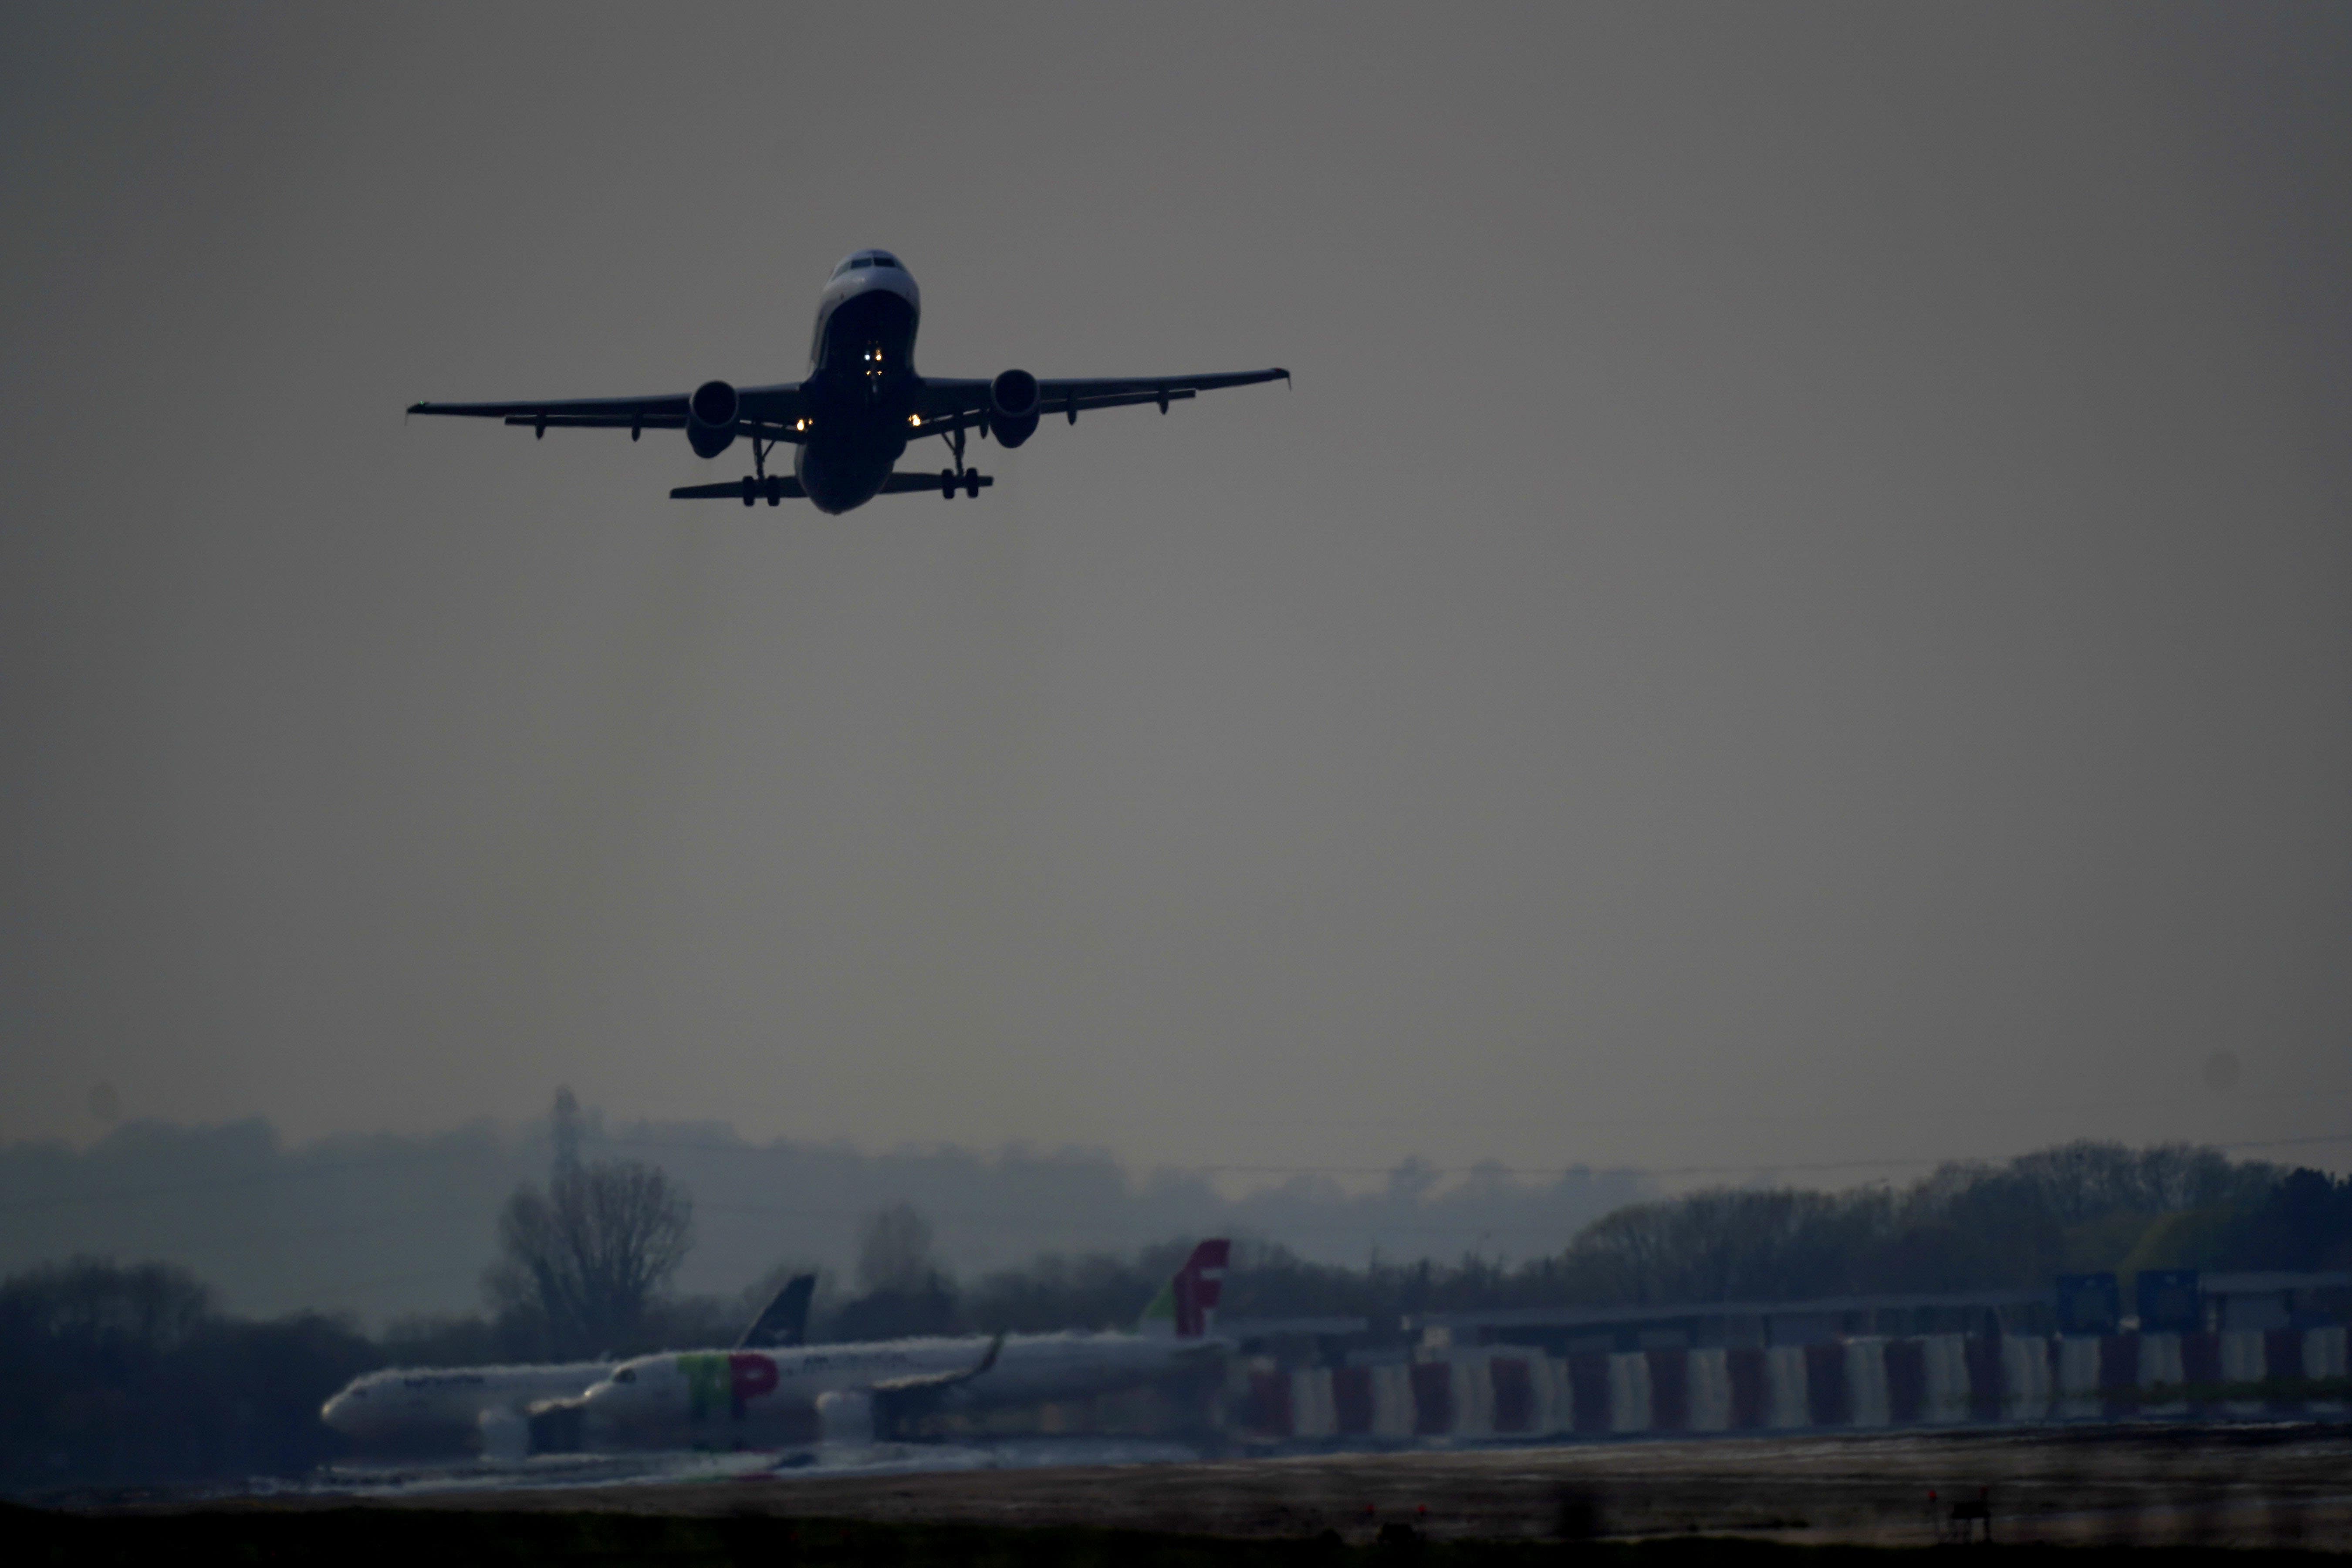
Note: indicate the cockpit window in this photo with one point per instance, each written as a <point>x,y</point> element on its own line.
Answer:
<point>626,1375</point>
<point>882,258</point>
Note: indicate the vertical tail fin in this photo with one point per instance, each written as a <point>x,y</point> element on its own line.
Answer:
<point>783,1322</point>
<point>1186,1306</point>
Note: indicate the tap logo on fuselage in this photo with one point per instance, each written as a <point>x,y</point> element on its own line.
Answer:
<point>713,1378</point>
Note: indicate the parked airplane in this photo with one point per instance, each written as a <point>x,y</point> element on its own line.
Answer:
<point>854,1392</point>
<point>428,1409</point>
<point>850,421</point>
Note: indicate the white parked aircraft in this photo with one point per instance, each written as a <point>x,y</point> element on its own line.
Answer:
<point>430,1409</point>
<point>849,422</point>
<point>854,1393</point>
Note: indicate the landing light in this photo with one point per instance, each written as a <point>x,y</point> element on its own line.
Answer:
<point>914,419</point>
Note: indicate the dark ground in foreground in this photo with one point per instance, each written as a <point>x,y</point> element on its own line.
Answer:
<point>360,1538</point>
<point>1643,1504</point>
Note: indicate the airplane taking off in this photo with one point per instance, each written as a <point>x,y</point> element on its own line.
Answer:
<point>850,421</point>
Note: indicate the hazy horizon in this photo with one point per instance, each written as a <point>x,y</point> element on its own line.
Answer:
<point>1796,610</point>
<point>391,1224</point>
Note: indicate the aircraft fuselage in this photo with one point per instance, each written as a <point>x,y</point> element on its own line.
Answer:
<point>861,384</point>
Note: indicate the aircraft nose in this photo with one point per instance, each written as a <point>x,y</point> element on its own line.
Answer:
<point>337,1412</point>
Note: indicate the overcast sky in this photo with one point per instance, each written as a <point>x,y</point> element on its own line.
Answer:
<point>1800,607</point>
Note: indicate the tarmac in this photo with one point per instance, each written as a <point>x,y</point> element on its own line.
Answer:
<point>2284,1485</point>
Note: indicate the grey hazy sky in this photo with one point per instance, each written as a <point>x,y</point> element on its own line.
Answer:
<point>1800,607</point>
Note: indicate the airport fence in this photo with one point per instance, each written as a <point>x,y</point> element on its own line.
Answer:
<point>1513,1391</point>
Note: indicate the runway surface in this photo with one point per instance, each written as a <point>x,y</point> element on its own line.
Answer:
<point>2284,1485</point>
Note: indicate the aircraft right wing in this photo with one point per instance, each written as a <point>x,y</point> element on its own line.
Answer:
<point>765,411</point>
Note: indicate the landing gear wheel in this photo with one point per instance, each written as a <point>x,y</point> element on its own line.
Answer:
<point>972,484</point>
<point>750,490</point>
<point>947,484</point>
<point>775,490</point>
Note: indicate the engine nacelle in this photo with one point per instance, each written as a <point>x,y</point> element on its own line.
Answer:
<point>847,1415</point>
<point>711,418</point>
<point>1012,407</point>
<point>505,1432</point>
<point>551,1427</point>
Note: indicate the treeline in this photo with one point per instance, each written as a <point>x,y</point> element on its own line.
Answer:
<point>2081,1207</point>
<point>119,1377</point>
<point>2077,1208</point>
<point>394,1224</point>
<point>132,1375</point>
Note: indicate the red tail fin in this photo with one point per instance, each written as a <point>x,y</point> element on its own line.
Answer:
<point>1185,1304</point>
<point>1199,1284</point>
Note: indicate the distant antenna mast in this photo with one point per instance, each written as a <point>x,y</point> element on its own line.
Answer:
<point>567,1133</point>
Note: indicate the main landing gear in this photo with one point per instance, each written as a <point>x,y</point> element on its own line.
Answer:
<point>760,481</point>
<point>969,479</point>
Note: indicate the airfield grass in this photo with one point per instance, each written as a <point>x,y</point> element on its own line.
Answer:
<point>417,1538</point>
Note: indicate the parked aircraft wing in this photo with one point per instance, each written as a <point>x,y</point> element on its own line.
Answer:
<point>903,1388</point>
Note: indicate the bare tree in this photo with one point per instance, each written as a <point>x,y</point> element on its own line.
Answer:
<point>906,1293</point>
<point>895,1254</point>
<point>586,1256</point>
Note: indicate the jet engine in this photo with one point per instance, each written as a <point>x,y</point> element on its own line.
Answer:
<point>505,1432</point>
<point>711,418</point>
<point>551,1427</point>
<point>848,1415</point>
<point>1012,407</point>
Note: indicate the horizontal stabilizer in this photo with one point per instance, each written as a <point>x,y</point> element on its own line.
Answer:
<point>747,490</point>
<point>908,484</point>
<point>781,487</point>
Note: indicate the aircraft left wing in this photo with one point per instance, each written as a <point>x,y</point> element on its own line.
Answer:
<point>955,404</point>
